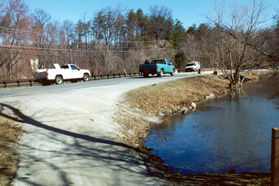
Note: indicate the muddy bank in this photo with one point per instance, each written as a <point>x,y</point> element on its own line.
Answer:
<point>137,117</point>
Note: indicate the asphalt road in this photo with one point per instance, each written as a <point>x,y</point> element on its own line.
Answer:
<point>94,83</point>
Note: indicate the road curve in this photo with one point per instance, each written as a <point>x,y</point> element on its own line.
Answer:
<point>94,83</point>
<point>69,134</point>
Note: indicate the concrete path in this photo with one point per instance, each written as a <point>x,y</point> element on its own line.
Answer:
<point>70,138</point>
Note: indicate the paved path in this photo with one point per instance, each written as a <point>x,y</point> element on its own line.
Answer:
<point>69,135</point>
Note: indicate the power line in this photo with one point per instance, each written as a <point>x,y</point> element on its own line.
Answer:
<point>71,50</point>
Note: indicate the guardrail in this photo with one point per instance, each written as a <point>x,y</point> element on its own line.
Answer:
<point>19,82</point>
<point>101,76</point>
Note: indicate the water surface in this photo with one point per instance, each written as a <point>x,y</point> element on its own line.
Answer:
<point>233,135</point>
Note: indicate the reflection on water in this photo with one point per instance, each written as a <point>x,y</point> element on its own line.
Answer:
<point>233,135</point>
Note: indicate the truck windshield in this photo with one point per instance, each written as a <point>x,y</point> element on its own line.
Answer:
<point>190,65</point>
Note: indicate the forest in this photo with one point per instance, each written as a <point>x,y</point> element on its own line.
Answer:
<point>115,39</point>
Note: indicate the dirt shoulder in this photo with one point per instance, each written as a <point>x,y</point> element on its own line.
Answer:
<point>142,108</point>
<point>9,159</point>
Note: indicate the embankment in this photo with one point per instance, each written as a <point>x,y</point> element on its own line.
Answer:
<point>142,108</point>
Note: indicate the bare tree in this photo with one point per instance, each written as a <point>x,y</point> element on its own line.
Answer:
<point>111,41</point>
<point>160,22</point>
<point>14,17</point>
<point>272,37</point>
<point>41,19</point>
<point>236,34</point>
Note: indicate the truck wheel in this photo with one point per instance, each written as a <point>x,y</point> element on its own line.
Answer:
<point>58,80</point>
<point>161,74</point>
<point>172,73</point>
<point>145,74</point>
<point>85,77</point>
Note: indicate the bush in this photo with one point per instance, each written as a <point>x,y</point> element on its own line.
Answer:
<point>180,59</point>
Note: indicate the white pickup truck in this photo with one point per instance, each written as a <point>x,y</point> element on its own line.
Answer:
<point>61,73</point>
<point>193,66</point>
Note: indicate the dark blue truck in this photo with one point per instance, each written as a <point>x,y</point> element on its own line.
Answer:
<point>157,66</point>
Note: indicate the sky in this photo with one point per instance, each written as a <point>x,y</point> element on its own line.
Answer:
<point>189,12</point>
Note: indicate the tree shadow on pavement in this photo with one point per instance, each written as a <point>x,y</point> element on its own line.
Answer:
<point>25,119</point>
<point>62,157</point>
<point>80,154</point>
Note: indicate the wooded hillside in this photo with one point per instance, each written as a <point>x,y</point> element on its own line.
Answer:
<point>115,39</point>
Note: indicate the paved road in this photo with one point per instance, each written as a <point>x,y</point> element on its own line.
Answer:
<point>94,83</point>
<point>70,136</point>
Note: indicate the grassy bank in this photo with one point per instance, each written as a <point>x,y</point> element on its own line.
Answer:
<point>142,108</point>
<point>9,134</point>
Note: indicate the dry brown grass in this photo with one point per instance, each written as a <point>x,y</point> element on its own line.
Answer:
<point>11,88</point>
<point>141,108</point>
<point>175,94</point>
<point>9,134</point>
<point>256,75</point>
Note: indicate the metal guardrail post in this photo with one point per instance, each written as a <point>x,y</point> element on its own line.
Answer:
<point>5,84</point>
<point>18,83</point>
<point>30,83</point>
<point>275,157</point>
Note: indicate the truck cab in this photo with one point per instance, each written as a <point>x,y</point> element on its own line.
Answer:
<point>157,66</point>
<point>61,73</point>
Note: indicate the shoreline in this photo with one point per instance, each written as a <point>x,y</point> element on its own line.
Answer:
<point>148,106</point>
<point>136,129</point>
<point>44,137</point>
